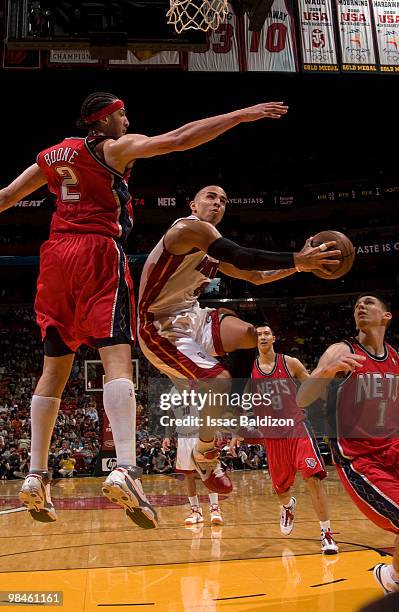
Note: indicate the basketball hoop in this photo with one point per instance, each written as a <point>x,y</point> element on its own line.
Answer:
<point>197,14</point>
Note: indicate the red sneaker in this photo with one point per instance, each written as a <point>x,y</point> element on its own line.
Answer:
<point>212,474</point>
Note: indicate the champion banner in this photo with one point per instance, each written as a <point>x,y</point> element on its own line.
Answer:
<point>356,36</point>
<point>71,56</point>
<point>386,18</point>
<point>274,48</point>
<point>142,57</point>
<point>319,52</point>
<point>222,54</point>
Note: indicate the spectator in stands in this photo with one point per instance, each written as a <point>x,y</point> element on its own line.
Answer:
<point>144,456</point>
<point>88,455</point>
<point>21,465</point>
<point>243,454</point>
<point>4,468</point>
<point>91,411</point>
<point>161,463</point>
<point>227,458</point>
<point>67,465</point>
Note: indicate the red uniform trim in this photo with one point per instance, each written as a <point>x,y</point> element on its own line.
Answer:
<point>169,354</point>
<point>166,265</point>
<point>162,347</point>
<point>367,509</point>
<point>217,340</point>
<point>262,372</point>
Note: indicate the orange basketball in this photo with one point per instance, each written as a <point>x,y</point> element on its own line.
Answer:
<point>346,258</point>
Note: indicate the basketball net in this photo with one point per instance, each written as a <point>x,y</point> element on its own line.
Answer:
<point>197,14</point>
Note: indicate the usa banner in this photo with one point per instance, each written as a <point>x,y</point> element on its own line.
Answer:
<point>386,18</point>
<point>319,53</point>
<point>274,48</point>
<point>356,36</point>
<point>222,54</point>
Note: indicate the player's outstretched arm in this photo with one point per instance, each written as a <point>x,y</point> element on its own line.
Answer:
<point>31,179</point>
<point>256,277</point>
<point>136,146</point>
<point>297,368</point>
<point>189,234</point>
<point>336,359</point>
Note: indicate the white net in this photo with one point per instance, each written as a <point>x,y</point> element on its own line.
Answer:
<point>197,14</point>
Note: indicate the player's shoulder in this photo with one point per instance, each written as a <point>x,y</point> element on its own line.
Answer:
<point>343,347</point>
<point>292,360</point>
<point>391,348</point>
<point>189,224</point>
<point>125,141</point>
<point>68,141</point>
<point>293,363</point>
<point>393,354</point>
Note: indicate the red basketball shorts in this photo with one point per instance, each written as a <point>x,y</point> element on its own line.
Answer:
<point>84,289</point>
<point>372,481</point>
<point>287,456</point>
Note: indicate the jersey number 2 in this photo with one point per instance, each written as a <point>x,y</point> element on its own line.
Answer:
<point>69,179</point>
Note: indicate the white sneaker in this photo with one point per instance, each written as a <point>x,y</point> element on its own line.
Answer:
<point>382,574</point>
<point>287,517</point>
<point>35,496</point>
<point>124,488</point>
<point>216,515</point>
<point>195,517</point>
<point>328,545</point>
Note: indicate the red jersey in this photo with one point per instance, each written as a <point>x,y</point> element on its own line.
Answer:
<point>365,404</point>
<point>92,197</point>
<point>281,387</point>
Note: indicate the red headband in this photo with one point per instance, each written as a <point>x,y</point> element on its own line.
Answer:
<point>107,110</point>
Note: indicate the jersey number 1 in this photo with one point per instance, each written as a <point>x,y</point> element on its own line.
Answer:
<point>69,179</point>
<point>381,409</point>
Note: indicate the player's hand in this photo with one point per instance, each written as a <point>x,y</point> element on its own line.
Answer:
<point>166,444</point>
<point>345,363</point>
<point>314,258</point>
<point>266,110</point>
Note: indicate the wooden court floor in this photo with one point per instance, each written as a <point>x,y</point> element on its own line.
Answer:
<point>101,561</point>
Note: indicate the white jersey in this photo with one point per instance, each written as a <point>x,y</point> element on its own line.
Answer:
<point>187,411</point>
<point>170,284</point>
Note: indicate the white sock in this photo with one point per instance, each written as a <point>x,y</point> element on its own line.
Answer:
<point>120,405</point>
<point>213,498</point>
<point>325,525</point>
<point>289,505</point>
<point>43,412</point>
<point>194,501</point>
<point>394,574</point>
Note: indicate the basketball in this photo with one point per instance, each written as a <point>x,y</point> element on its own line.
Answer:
<point>347,253</point>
